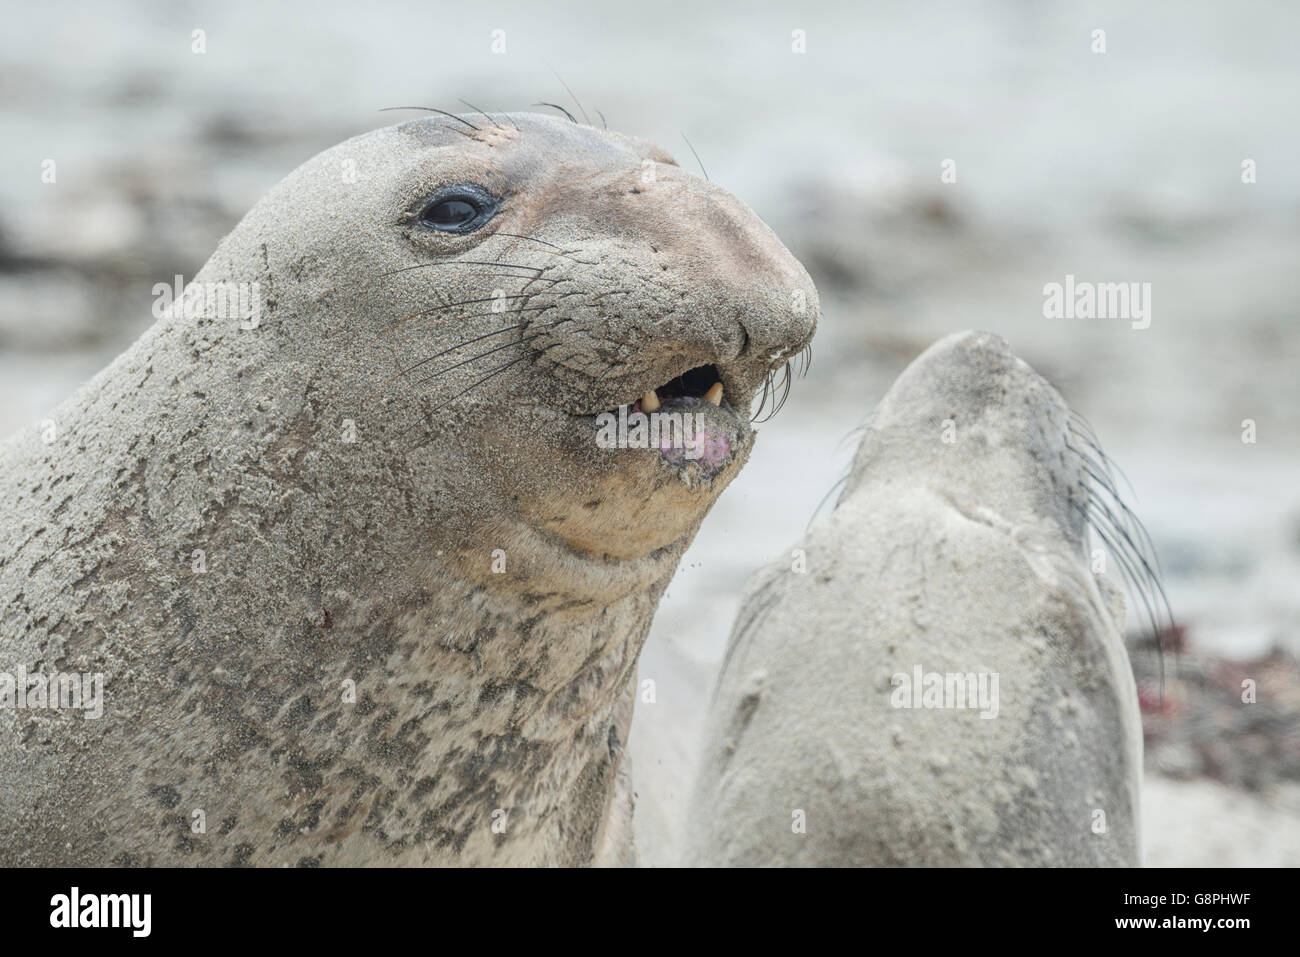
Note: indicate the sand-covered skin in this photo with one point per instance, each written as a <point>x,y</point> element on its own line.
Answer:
<point>962,556</point>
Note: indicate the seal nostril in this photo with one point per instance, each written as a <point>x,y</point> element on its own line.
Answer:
<point>744,342</point>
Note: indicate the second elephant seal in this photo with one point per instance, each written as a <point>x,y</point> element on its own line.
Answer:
<point>936,676</point>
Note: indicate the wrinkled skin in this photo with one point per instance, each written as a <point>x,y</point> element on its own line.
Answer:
<point>443,535</point>
<point>957,546</point>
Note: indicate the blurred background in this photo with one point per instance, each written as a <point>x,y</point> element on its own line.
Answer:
<point>1122,166</point>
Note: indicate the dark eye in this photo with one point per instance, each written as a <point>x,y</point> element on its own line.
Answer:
<point>458,209</point>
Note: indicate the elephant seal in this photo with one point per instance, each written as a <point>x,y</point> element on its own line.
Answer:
<point>936,677</point>
<point>359,582</point>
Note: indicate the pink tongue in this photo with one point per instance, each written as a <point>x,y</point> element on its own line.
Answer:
<point>709,447</point>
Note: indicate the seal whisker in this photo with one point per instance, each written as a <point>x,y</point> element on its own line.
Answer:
<point>771,388</point>
<point>459,345</point>
<point>758,605</point>
<point>1089,434</point>
<point>461,302</point>
<point>571,93</point>
<point>762,402</point>
<point>557,106</point>
<point>596,381</point>
<point>462,262</point>
<point>477,382</point>
<point>697,157</point>
<point>1127,523</point>
<point>1102,460</point>
<point>1126,519</point>
<point>434,109</point>
<point>457,365</point>
<point>608,369</point>
<point>1107,483</point>
<point>1140,564</point>
<point>511,275</point>
<point>1122,556</point>
<point>481,113</point>
<point>522,236</point>
<point>558,251</point>
<point>467,342</point>
<point>805,359</point>
<point>1146,594</point>
<point>838,484</point>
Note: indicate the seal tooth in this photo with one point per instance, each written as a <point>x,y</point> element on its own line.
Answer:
<point>650,402</point>
<point>714,394</point>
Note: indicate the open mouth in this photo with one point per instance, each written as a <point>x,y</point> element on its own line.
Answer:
<point>702,382</point>
<point>687,419</point>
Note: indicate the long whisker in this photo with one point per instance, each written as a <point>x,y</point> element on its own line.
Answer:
<point>452,305</point>
<point>839,484</point>
<point>459,345</point>
<point>805,358</point>
<point>557,106</point>
<point>697,157</point>
<point>777,390</point>
<point>1102,462</point>
<point>1152,579</point>
<point>1126,520</point>
<point>554,250</point>
<point>1123,559</point>
<point>511,275</point>
<point>570,92</point>
<point>457,365</point>
<point>481,113</point>
<point>1090,436</point>
<point>483,315</point>
<point>433,109</point>
<point>532,239</point>
<point>477,382</point>
<point>462,262</point>
<point>1139,585</point>
<point>762,402</point>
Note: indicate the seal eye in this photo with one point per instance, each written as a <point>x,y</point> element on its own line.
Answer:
<point>460,209</point>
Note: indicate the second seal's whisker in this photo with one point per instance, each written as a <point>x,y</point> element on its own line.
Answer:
<point>1147,586</point>
<point>1080,426</point>
<point>1098,464</point>
<point>1126,520</point>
